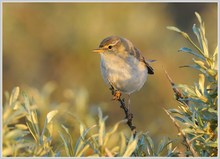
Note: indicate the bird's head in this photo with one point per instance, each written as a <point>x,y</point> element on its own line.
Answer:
<point>112,45</point>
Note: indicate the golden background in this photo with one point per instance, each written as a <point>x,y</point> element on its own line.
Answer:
<point>54,41</point>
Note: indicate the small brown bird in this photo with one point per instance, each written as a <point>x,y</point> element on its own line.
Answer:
<point>122,65</point>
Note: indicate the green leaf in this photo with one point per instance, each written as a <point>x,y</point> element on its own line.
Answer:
<point>66,129</point>
<point>51,115</point>
<point>201,82</point>
<point>200,63</point>
<point>212,111</point>
<point>188,131</point>
<point>26,103</point>
<point>80,142</point>
<point>211,72</point>
<point>197,67</point>
<point>131,147</point>
<point>196,31</point>
<point>14,95</point>
<point>194,117</point>
<point>214,63</point>
<point>187,50</point>
<point>199,131</point>
<point>208,116</point>
<point>174,29</point>
<point>65,144</point>
<point>84,149</point>
<point>114,129</point>
<point>184,120</point>
<point>200,121</point>
<point>101,127</point>
<point>200,96</point>
<point>162,145</point>
<point>68,142</point>
<point>21,126</point>
<point>175,111</point>
<point>150,147</point>
<point>81,128</point>
<point>202,35</point>
<point>11,118</point>
<point>123,144</point>
<point>14,134</point>
<point>212,144</point>
<point>32,130</point>
<point>198,17</point>
<point>189,90</point>
<point>48,119</point>
<point>115,149</point>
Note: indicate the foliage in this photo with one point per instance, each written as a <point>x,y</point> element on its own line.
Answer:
<point>99,143</point>
<point>27,139</point>
<point>16,135</point>
<point>197,110</point>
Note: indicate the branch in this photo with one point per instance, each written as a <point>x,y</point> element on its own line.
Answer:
<point>128,115</point>
<point>179,96</point>
<point>188,145</point>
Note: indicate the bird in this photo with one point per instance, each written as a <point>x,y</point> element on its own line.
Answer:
<point>122,65</point>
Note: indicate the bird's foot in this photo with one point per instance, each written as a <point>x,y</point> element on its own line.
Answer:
<point>116,95</point>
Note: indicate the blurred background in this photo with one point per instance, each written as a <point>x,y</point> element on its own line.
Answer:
<point>44,42</point>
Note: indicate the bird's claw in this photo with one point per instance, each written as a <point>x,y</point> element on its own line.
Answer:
<point>117,95</point>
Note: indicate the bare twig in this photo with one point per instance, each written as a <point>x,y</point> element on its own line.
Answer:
<point>187,141</point>
<point>128,114</point>
<point>179,96</point>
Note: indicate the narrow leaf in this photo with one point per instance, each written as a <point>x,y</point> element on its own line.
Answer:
<point>84,149</point>
<point>187,50</point>
<point>14,95</point>
<point>198,17</point>
<point>123,144</point>
<point>109,154</point>
<point>21,126</point>
<point>65,144</point>
<point>130,149</point>
<point>174,29</point>
<point>196,31</point>
<point>215,53</point>
<point>200,63</point>
<point>201,82</point>
<point>50,115</point>
<point>114,129</point>
<point>175,111</point>
<point>162,144</point>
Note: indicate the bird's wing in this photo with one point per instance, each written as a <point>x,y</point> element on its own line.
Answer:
<point>136,53</point>
<point>149,68</point>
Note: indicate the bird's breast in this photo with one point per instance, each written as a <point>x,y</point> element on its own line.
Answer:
<point>124,74</point>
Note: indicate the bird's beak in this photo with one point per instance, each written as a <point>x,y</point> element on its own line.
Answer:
<point>97,51</point>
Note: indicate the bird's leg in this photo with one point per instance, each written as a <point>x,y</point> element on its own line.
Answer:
<point>129,114</point>
<point>129,102</point>
<point>112,89</point>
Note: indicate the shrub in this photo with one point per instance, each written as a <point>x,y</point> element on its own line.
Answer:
<point>197,111</point>
<point>23,136</point>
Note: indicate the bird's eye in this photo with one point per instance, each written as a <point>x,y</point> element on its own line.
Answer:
<point>109,47</point>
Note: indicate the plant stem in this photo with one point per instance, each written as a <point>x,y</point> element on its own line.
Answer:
<point>188,143</point>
